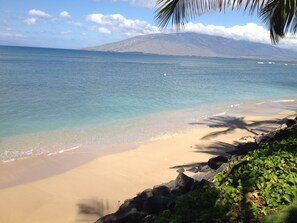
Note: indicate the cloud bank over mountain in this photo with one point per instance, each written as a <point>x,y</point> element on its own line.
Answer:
<point>195,44</point>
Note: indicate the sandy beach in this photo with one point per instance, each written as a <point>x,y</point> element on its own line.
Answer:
<point>96,187</point>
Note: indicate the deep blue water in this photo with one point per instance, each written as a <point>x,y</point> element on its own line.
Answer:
<point>48,90</point>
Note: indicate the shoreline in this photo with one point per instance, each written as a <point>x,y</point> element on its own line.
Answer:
<point>106,181</point>
<point>37,167</point>
<point>102,138</point>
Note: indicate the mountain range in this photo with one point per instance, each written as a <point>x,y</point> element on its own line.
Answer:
<point>194,44</point>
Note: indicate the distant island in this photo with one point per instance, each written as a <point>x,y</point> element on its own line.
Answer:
<point>195,44</point>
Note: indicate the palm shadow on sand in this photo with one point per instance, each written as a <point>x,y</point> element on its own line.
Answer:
<point>217,148</point>
<point>232,123</point>
<point>91,209</point>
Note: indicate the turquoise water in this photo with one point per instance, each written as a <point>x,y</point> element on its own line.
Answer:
<point>52,99</point>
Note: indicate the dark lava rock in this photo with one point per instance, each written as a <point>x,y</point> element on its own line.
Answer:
<point>145,194</point>
<point>158,203</point>
<point>181,185</point>
<point>200,184</point>
<point>161,191</point>
<point>282,134</point>
<point>269,137</point>
<point>149,219</point>
<point>111,218</point>
<point>290,122</point>
<point>136,203</point>
<point>244,148</point>
<point>131,216</point>
<point>216,162</point>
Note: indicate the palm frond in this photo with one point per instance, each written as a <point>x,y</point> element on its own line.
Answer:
<point>180,11</point>
<point>280,17</point>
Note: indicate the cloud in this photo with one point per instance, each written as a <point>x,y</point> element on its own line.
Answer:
<point>140,3</point>
<point>30,21</point>
<point>77,24</point>
<point>122,25</point>
<point>65,15</point>
<point>39,13</point>
<point>66,32</point>
<point>250,32</point>
<point>8,34</point>
<point>104,30</point>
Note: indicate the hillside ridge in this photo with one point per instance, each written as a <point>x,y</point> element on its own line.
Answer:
<point>194,44</point>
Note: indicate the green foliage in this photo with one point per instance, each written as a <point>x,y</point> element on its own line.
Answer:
<point>198,206</point>
<point>285,215</point>
<point>264,181</point>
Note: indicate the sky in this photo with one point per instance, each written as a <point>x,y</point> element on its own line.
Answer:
<point>75,24</point>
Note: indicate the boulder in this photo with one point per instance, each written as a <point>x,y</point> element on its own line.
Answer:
<point>216,162</point>
<point>269,137</point>
<point>156,204</point>
<point>282,134</point>
<point>193,169</point>
<point>290,122</point>
<point>137,203</point>
<point>149,219</point>
<point>161,191</point>
<point>259,139</point>
<point>181,185</point>
<point>131,216</point>
<point>200,184</point>
<point>111,218</point>
<point>145,194</point>
<point>244,148</point>
<point>180,170</point>
<point>205,168</point>
<point>283,126</point>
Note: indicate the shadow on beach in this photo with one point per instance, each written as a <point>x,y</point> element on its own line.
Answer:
<point>93,209</point>
<point>231,123</point>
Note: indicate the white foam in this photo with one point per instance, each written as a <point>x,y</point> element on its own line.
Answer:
<point>220,114</point>
<point>233,106</point>
<point>260,62</point>
<point>8,161</point>
<point>63,150</point>
<point>288,100</point>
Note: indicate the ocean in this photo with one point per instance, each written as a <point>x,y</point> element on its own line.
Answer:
<point>54,100</point>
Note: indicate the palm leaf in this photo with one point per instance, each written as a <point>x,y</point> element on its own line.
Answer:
<point>180,11</point>
<point>279,15</point>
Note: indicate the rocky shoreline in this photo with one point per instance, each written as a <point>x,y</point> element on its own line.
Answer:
<point>144,207</point>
